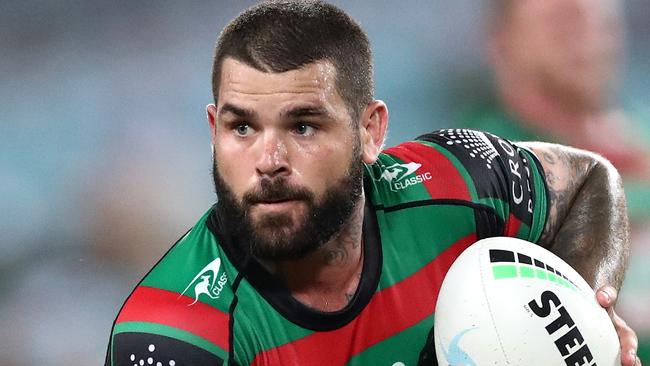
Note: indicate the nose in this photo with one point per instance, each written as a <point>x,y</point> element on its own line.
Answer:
<point>273,161</point>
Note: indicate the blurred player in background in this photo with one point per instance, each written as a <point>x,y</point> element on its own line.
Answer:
<point>556,67</point>
<point>318,233</point>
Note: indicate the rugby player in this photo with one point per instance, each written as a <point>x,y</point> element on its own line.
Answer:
<point>325,250</point>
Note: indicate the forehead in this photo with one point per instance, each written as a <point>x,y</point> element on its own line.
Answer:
<point>315,80</point>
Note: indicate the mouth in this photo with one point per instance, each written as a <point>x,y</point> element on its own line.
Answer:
<point>273,200</point>
<point>278,198</point>
<point>276,205</point>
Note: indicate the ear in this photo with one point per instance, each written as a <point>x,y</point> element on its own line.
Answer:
<point>372,128</point>
<point>211,111</point>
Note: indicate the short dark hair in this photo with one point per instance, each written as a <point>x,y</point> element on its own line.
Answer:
<point>278,36</point>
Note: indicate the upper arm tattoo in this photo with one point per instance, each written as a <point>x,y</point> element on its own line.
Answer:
<point>565,174</point>
<point>587,224</point>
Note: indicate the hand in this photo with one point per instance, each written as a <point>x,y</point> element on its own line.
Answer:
<point>606,297</point>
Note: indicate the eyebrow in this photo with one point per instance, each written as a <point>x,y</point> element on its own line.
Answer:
<point>307,112</point>
<point>238,111</point>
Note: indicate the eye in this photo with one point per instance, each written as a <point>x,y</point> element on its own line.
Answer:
<point>243,129</point>
<point>304,129</point>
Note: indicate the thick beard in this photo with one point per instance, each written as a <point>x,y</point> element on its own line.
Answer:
<point>273,237</point>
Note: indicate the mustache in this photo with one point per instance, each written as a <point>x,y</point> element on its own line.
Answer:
<point>276,190</point>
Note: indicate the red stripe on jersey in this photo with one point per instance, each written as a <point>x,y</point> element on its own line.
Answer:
<point>149,304</point>
<point>390,311</point>
<point>447,181</point>
<point>512,226</point>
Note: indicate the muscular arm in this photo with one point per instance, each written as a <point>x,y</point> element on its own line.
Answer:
<point>587,224</point>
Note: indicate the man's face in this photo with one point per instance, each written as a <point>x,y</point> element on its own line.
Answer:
<point>571,47</point>
<point>287,168</point>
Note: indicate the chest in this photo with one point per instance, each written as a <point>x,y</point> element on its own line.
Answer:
<point>394,328</point>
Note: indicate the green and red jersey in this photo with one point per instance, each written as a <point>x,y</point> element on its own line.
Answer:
<point>207,302</point>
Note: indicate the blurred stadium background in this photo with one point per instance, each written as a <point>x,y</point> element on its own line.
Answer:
<point>105,155</point>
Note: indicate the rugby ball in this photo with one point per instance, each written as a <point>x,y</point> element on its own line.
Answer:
<point>506,301</point>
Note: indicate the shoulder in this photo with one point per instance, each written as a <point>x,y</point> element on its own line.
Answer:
<point>458,164</point>
<point>178,305</point>
<point>193,261</point>
<point>416,171</point>
<point>464,167</point>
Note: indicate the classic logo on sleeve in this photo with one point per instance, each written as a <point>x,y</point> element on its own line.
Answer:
<point>400,176</point>
<point>207,283</point>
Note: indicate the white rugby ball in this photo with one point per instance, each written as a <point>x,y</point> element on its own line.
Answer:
<point>506,301</point>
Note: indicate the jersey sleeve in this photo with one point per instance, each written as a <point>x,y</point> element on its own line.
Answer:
<point>503,176</point>
<point>178,314</point>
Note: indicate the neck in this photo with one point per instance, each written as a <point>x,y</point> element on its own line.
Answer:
<point>327,279</point>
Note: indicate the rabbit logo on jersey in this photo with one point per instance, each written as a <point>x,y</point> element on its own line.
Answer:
<point>206,282</point>
<point>399,176</point>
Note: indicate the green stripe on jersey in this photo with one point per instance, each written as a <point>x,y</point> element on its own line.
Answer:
<point>500,208</point>
<point>526,234</point>
<point>181,269</point>
<point>384,192</point>
<point>393,350</point>
<point>540,199</point>
<point>413,237</point>
<point>255,316</point>
<point>163,330</point>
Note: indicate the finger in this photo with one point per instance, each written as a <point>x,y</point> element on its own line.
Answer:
<point>628,340</point>
<point>606,296</point>
<point>630,359</point>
